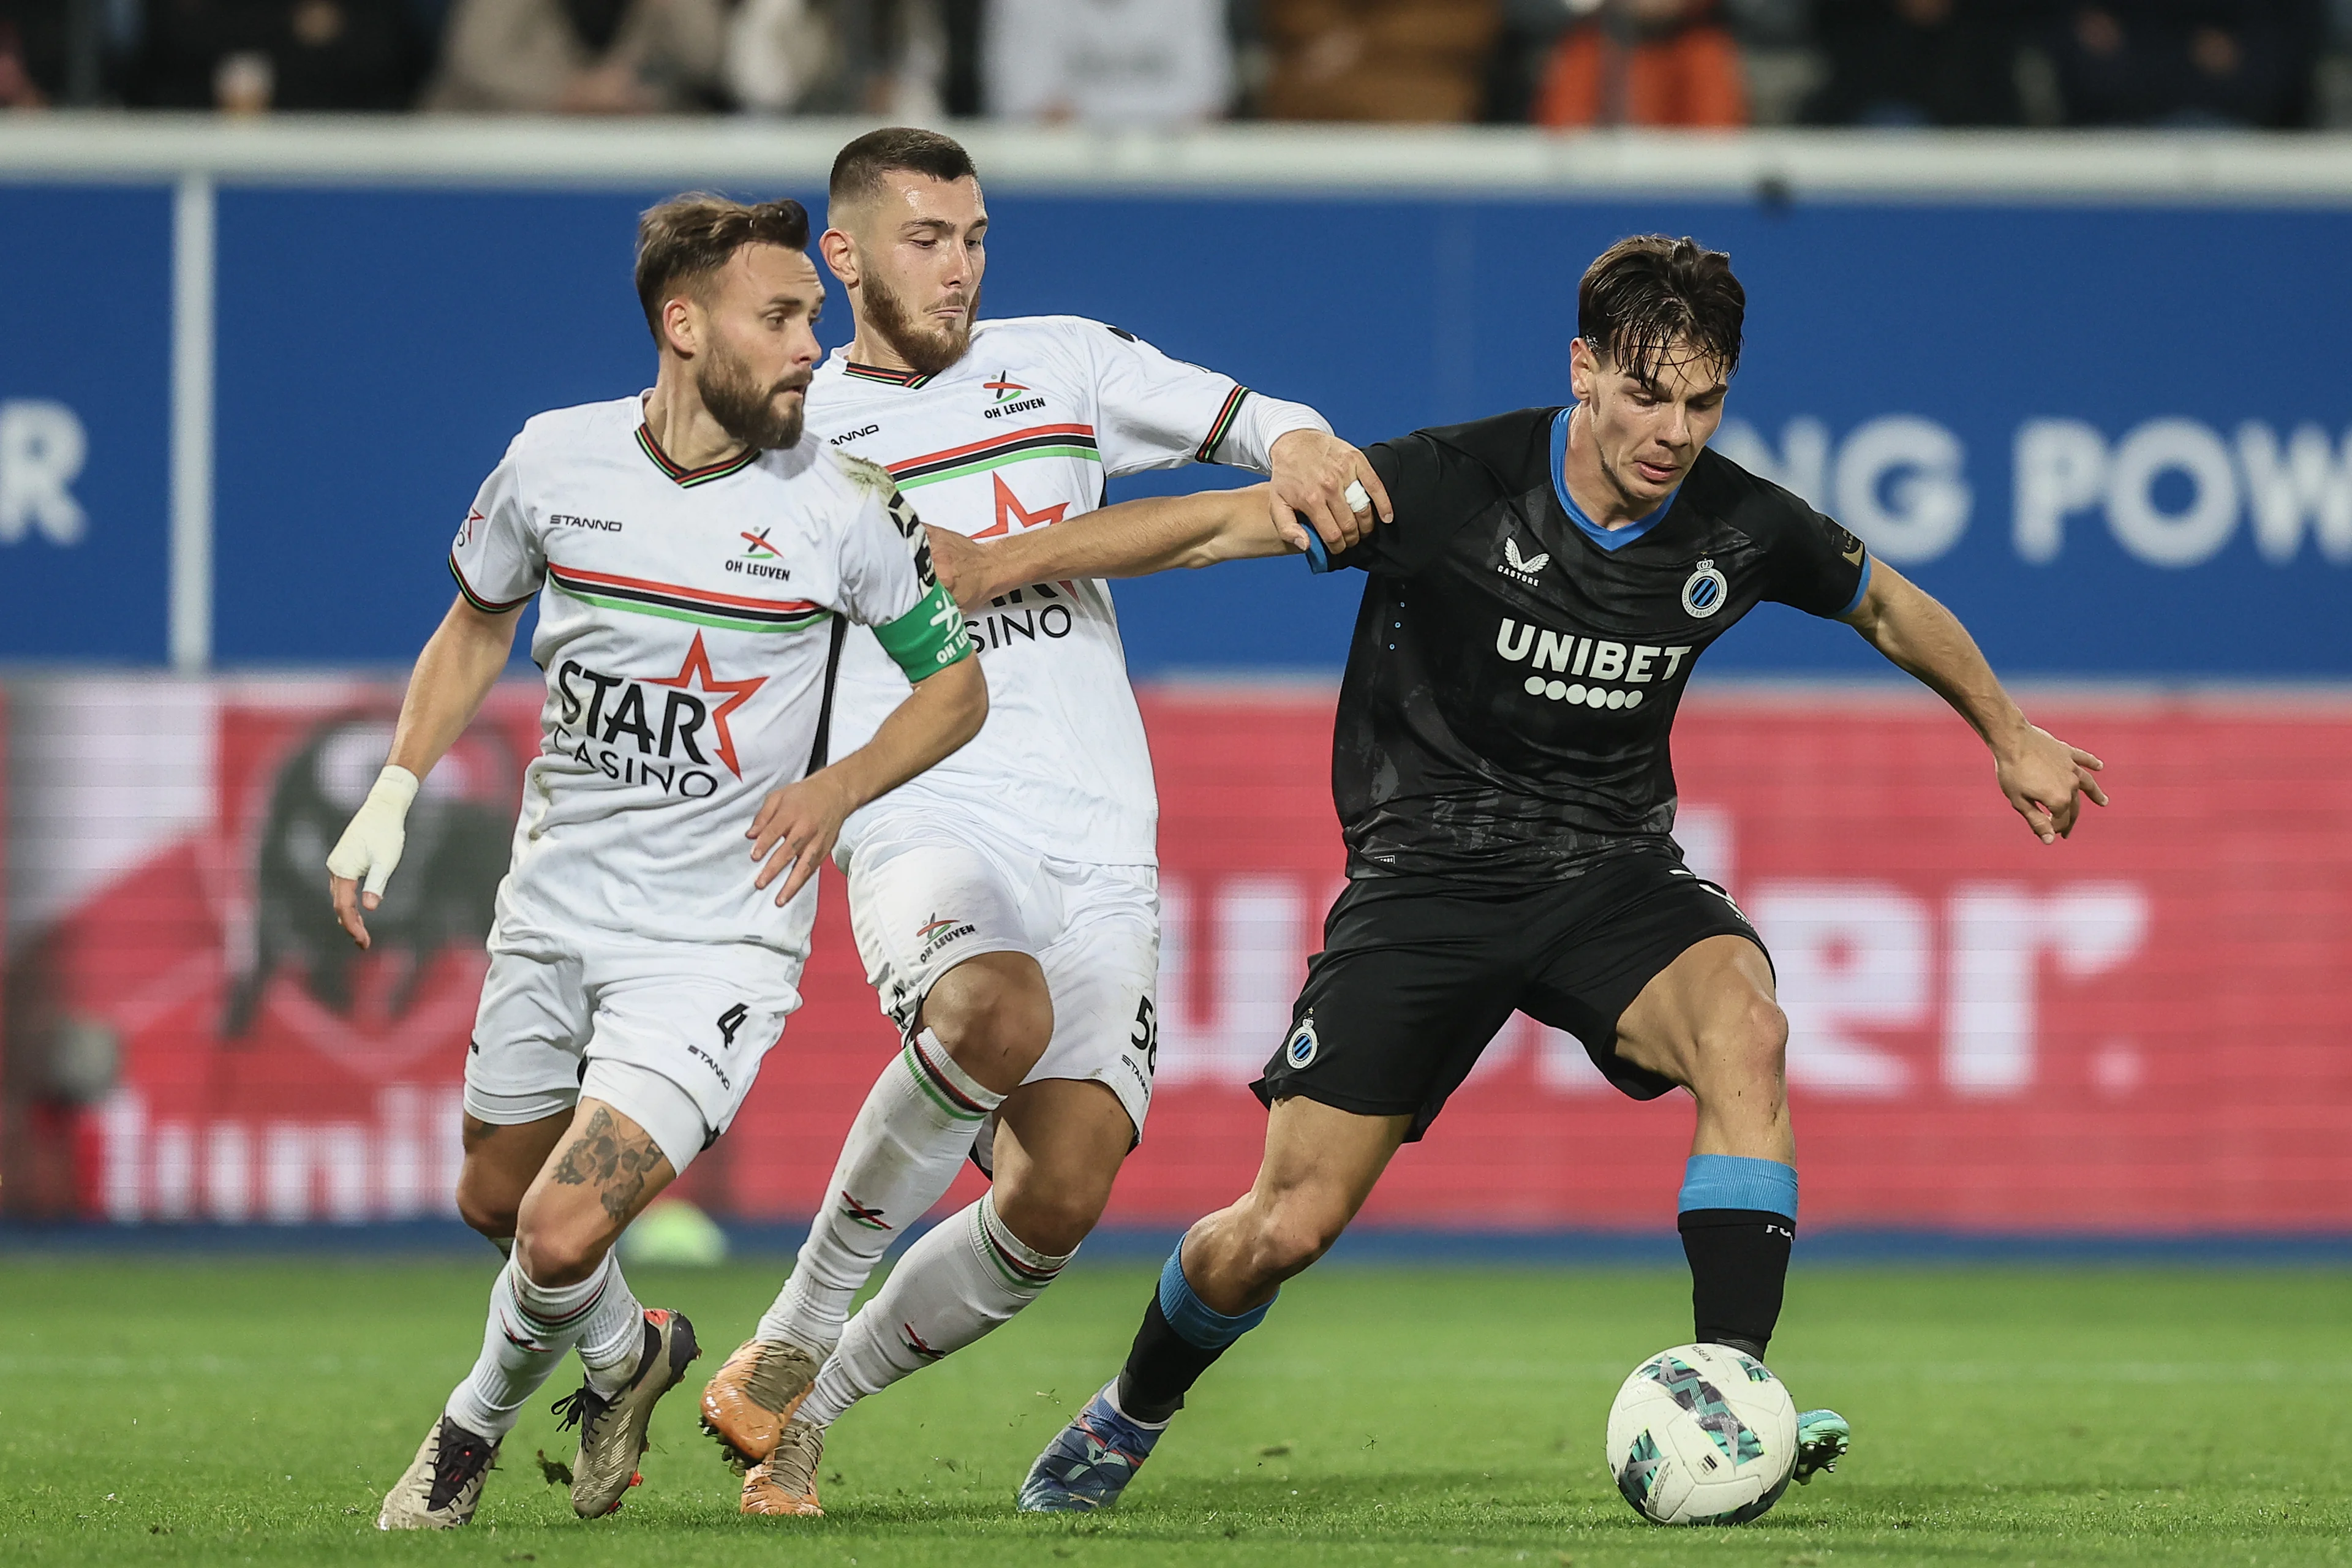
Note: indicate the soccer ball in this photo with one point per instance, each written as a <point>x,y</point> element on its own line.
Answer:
<point>1702,1435</point>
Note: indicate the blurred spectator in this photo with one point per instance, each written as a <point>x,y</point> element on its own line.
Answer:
<point>1917,62</point>
<point>1107,62</point>
<point>250,56</point>
<point>1377,59</point>
<point>32,52</point>
<point>2179,62</point>
<point>837,56</point>
<point>582,56</point>
<point>1645,62</point>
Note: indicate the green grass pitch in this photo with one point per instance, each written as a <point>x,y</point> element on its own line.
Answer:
<point>167,1411</point>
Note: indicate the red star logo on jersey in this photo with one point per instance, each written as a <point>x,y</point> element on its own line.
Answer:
<point>1013,518</point>
<point>695,675</point>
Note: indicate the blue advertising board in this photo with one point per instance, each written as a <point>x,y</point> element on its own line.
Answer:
<point>85,423</point>
<point>2117,440</point>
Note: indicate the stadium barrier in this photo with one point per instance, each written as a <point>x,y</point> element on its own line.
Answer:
<point>2051,375</point>
<point>2136,1032</point>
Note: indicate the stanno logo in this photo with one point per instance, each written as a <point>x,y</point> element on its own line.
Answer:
<point>1705,591</point>
<point>1522,567</point>
<point>595,524</point>
<point>848,436</point>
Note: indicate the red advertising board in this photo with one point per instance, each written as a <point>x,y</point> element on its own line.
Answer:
<point>2140,1029</point>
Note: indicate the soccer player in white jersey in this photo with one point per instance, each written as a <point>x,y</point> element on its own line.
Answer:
<point>1005,903</point>
<point>695,566</point>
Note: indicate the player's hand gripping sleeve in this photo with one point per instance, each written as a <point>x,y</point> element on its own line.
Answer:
<point>928,637</point>
<point>370,848</point>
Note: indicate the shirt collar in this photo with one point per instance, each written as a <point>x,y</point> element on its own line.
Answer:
<point>1610,539</point>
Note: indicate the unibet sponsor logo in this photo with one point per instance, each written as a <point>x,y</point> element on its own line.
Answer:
<point>670,732</point>
<point>1588,662</point>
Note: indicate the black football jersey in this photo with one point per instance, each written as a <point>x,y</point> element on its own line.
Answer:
<point>1515,667</point>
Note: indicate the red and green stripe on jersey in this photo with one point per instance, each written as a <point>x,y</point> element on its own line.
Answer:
<point>726,612</point>
<point>1222,425</point>
<point>1012,447</point>
<point>686,477</point>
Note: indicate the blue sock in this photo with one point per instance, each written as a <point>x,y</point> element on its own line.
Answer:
<point>1181,1338</point>
<point>1738,1221</point>
<point>1737,1182</point>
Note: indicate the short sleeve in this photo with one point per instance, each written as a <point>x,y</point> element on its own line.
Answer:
<point>1815,563</point>
<point>886,581</point>
<point>1434,489</point>
<point>1154,412</point>
<point>497,559</point>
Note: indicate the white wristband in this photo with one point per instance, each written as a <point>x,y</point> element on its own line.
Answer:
<point>370,848</point>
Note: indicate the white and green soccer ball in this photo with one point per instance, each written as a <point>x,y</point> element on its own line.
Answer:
<point>1702,1435</point>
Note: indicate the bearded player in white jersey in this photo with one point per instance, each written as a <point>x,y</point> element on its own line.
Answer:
<point>1006,903</point>
<point>640,966</point>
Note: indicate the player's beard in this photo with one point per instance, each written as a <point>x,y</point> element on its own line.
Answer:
<point>744,408</point>
<point>927,348</point>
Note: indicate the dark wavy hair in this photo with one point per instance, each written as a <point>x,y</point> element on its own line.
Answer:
<point>859,169</point>
<point>685,239</point>
<point>1644,295</point>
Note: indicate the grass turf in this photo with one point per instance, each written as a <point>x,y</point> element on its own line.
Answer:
<point>160,1411</point>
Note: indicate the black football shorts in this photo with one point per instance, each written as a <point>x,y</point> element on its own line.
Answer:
<point>1418,974</point>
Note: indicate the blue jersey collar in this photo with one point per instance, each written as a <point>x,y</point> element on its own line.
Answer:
<point>1607,538</point>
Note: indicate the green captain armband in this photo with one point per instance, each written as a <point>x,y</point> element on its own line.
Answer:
<point>928,637</point>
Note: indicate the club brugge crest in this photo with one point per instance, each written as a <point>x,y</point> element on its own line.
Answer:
<point>1705,591</point>
<point>1300,1051</point>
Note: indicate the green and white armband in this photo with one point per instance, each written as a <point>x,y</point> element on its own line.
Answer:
<point>928,637</point>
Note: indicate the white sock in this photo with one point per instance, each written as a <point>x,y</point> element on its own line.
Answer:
<point>531,1327</point>
<point>968,1274</point>
<point>615,1335</point>
<point>903,1151</point>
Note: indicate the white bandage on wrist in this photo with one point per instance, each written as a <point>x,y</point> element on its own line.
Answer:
<point>370,848</point>
<point>1262,422</point>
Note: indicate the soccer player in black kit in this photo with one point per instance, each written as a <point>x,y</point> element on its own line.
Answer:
<point>1530,619</point>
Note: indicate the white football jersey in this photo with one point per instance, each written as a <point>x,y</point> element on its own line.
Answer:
<point>684,624</point>
<point>1019,434</point>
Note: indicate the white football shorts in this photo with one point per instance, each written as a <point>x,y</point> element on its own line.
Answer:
<point>925,895</point>
<point>669,1034</point>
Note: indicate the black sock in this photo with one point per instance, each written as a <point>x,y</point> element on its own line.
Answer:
<point>1161,1366</point>
<point>1740,1265</point>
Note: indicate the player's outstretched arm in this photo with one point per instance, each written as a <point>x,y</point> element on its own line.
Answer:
<point>1133,539</point>
<point>2044,778</point>
<point>798,824</point>
<point>461,661</point>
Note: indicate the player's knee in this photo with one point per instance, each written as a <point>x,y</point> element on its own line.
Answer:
<point>1752,1044</point>
<point>996,1023</point>
<point>1291,1238</point>
<point>1054,1221</point>
<point>555,1255</point>
<point>487,1202</point>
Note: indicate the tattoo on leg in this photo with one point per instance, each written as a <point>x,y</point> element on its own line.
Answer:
<point>617,1165</point>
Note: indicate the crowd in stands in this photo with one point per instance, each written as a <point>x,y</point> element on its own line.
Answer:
<point>1560,63</point>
